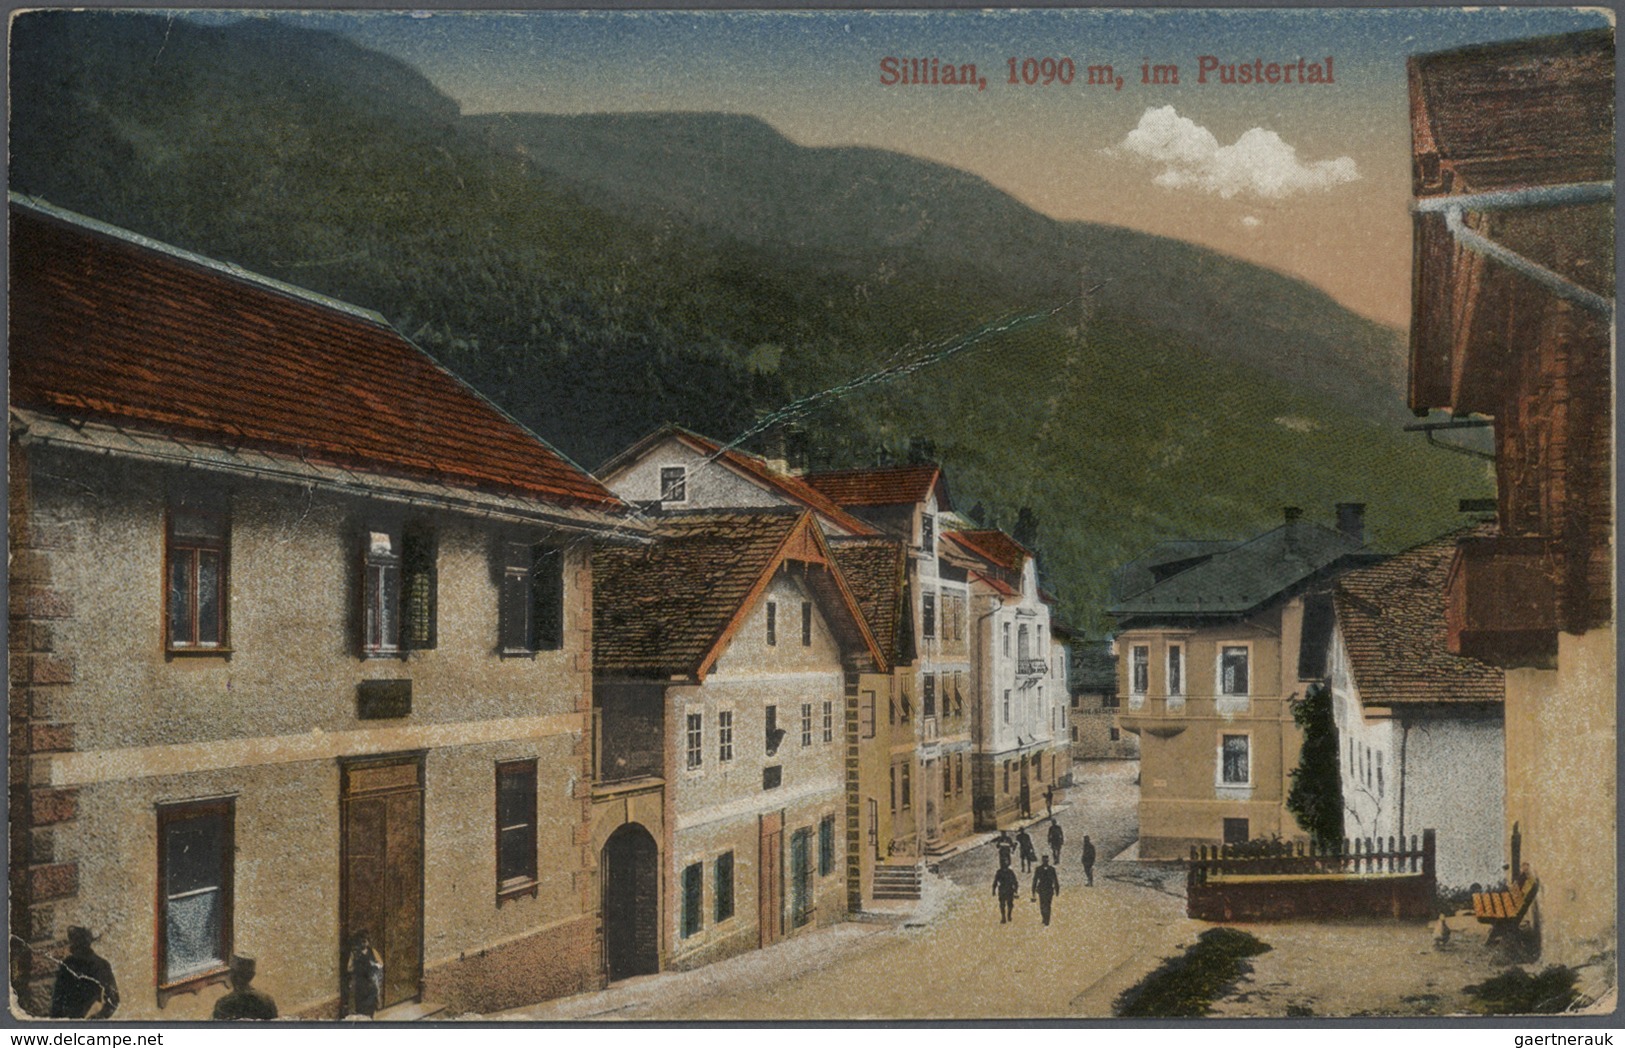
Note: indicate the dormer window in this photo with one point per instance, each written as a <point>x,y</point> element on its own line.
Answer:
<point>674,484</point>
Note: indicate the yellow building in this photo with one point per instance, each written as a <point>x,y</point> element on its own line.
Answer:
<point>300,648</point>
<point>1215,641</point>
<point>929,757</point>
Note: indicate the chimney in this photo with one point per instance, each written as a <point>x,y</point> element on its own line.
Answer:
<point>1292,513</point>
<point>1351,520</point>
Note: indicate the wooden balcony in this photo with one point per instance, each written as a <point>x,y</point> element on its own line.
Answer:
<point>1501,601</point>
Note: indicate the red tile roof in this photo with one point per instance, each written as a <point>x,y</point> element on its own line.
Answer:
<point>107,325</point>
<point>994,546</point>
<point>790,487</point>
<point>876,572</point>
<point>667,609</point>
<point>1391,617</point>
<point>885,486</point>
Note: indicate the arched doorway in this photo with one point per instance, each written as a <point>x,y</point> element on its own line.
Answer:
<point>630,865</point>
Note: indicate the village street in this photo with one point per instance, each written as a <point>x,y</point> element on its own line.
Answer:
<point>1101,940</point>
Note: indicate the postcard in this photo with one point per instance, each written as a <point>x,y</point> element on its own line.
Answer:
<point>878,515</point>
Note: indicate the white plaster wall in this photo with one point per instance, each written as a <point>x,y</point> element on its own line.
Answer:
<point>1455,784</point>
<point>711,485</point>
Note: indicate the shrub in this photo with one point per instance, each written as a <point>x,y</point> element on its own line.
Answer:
<point>1185,986</point>
<point>1516,992</point>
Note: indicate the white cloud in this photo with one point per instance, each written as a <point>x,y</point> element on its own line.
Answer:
<point>1259,162</point>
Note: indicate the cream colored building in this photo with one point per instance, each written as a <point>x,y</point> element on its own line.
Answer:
<point>1215,642</point>
<point>284,671</point>
<point>725,655</point>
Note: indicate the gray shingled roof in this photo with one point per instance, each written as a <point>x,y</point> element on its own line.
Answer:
<point>1239,579</point>
<point>1141,573</point>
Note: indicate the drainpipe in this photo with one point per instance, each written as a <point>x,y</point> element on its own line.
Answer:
<point>1517,199</point>
<point>1404,738</point>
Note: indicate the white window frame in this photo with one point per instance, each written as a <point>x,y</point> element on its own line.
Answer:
<point>1176,660</point>
<point>1136,686</point>
<point>806,724</point>
<point>829,720</point>
<point>1218,669</point>
<point>1218,772</point>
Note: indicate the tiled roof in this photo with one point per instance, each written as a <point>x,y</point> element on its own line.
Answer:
<point>994,546</point>
<point>107,325</point>
<point>1391,617</point>
<point>1237,580</point>
<point>663,609</point>
<point>882,486</point>
<point>874,570</point>
<point>791,487</point>
<point>1002,588</point>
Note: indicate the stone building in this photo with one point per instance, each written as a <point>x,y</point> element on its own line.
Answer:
<point>1095,733</point>
<point>300,647</point>
<point>929,758</point>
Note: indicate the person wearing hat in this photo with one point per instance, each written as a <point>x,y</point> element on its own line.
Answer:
<point>244,1002</point>
<point>83,980</point>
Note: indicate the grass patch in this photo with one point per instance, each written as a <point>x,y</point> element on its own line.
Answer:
<point>1516,992</point>
<point>1187,985</point>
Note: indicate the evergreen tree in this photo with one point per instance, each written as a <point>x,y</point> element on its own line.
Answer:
<point>1316,797</point>
<point>1026,529</point>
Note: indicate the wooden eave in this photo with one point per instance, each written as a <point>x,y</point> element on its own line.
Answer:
<point>804,543</point>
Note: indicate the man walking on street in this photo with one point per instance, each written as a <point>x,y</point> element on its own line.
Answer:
<point>1046,886</point>
<point>1005,886</point>
<point>1006,847</point>
<point>1049,801</point>
<point>1056,839</point>
<point>1089,860</point>
<point>1028,854</point>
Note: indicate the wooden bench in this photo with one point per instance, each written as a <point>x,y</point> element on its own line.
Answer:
<point>1504,911</point>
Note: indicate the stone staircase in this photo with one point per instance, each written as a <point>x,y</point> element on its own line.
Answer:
<point>897,883</point>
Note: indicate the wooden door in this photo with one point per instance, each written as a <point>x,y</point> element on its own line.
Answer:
<point>382,857</point>
<point>631,892</point>
<point>770,880</point>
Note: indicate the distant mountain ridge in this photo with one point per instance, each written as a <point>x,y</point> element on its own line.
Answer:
<point>598,276</point>
<point>741,177</point>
